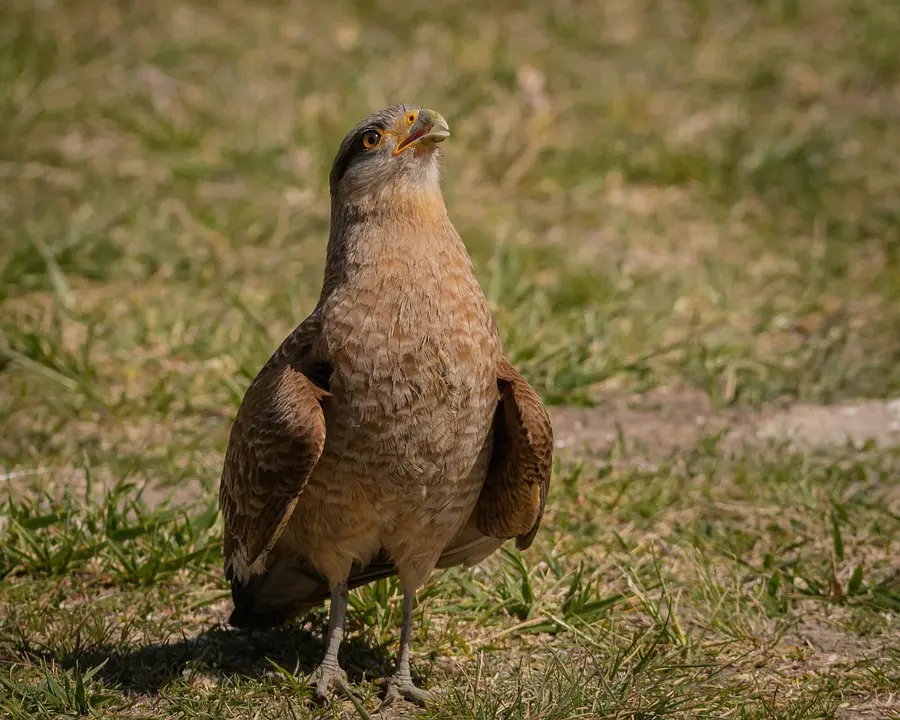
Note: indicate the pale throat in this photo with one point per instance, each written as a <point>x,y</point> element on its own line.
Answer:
<point>418,199</point>
<point>391,231</point>
<point>400,242</point>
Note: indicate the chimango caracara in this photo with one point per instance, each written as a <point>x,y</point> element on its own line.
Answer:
<point>387,434</point>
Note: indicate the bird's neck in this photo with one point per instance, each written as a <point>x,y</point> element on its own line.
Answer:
<point>384,237</point>
<point>419,202</point>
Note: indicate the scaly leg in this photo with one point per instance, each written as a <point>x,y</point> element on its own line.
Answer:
<point>401,684</point>
<point>330,670</point>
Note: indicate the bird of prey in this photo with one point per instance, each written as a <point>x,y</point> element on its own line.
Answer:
<point>388,434</point>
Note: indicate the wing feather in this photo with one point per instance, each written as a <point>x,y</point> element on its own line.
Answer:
<point>276,440</point>
<point>512,500</point>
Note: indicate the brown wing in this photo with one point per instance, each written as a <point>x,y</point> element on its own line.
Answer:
<point>275,442</point>
<point>511,503</point>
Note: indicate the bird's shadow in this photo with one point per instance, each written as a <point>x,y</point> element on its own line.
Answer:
<point>224,652</point>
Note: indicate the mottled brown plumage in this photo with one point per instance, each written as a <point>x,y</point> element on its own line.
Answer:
<point>388,434</point>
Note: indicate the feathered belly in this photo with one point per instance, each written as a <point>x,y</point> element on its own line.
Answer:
<point>405,432</point>
<point>403,464</point>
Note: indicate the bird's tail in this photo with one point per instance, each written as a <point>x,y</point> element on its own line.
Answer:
<point>468,548</point>
<point>290,587</point>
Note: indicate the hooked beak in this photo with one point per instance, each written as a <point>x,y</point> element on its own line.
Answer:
<point>429,128</point>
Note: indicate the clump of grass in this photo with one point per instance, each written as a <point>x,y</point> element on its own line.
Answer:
<point>116,535</point>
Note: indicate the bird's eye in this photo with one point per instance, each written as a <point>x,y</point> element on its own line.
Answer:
<point>371,139</point>
<point>411,118</point>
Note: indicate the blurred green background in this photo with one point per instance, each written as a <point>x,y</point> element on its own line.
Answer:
<point>653,192</point>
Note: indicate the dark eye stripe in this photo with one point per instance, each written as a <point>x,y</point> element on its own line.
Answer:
<point>355,149</point>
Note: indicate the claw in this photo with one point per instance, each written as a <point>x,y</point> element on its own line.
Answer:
<point>403,688</point>
<point>325,677</point>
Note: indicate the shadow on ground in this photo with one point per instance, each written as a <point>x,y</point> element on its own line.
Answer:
<point>221,651</point>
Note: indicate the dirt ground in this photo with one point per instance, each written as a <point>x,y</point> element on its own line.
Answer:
<point>665,421</point>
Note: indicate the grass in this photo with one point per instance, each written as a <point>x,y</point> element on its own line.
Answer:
<point>712,593</point>
<point>680,195</point>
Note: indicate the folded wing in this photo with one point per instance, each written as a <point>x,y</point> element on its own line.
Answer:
<point>515,490</point>
<point>276,440</point>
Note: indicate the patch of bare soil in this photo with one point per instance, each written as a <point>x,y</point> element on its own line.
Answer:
<point>661,422</point>
<point>664,421</point>
<point>873,421</point>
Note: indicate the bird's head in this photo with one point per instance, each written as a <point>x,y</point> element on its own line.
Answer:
<point>392,153</point>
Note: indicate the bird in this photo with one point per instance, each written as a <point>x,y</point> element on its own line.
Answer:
<point>388,434</point>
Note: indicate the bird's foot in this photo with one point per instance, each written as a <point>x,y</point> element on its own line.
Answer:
<point>325,677</point>
<point>399,687</point>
